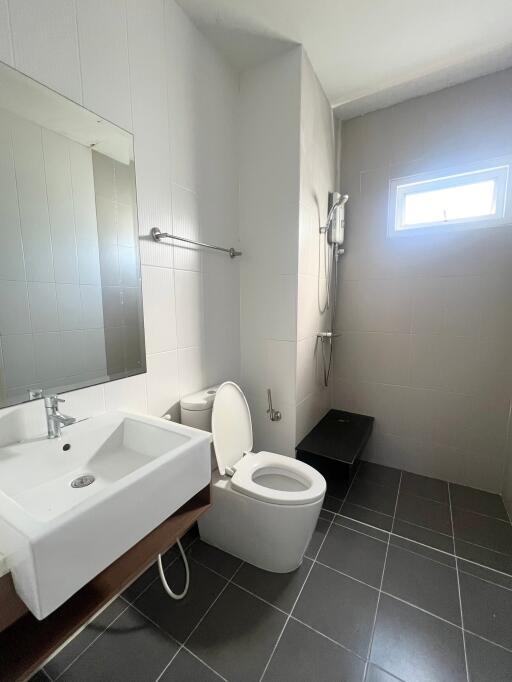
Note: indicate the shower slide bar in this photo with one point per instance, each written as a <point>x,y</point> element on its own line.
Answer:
<point>158,236</point>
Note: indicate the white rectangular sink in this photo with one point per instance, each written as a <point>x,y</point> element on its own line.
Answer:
<point>57,537</point>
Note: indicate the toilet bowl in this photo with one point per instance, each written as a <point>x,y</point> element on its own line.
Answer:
<point>264,506</point>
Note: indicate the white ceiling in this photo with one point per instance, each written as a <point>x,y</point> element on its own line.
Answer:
<point>367,53</point>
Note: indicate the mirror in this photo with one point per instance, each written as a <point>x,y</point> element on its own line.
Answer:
<point>70,288</point>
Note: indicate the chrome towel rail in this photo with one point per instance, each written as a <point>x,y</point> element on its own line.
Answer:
<point>158,236</point>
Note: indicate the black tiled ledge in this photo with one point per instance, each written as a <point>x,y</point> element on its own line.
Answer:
<point>334,447</point>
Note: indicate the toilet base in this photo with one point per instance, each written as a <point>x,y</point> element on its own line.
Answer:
<point>272,537</point>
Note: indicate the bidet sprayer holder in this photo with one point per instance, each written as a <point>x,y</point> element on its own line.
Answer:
<point>275,415</point>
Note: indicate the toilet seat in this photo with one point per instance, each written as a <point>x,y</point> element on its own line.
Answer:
<point>282,480</point>
<point>264,475</point>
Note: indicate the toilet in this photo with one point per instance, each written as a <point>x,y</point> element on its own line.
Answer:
<point>264,506</point>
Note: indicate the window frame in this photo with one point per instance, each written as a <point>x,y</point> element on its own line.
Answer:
<point>498,170</point>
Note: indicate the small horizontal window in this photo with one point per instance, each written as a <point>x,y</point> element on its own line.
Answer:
<point>474,198</point>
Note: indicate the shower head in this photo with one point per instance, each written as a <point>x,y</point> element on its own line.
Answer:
<point>336,200</point>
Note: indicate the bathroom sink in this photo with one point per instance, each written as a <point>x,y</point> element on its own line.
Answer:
<point>71,506</point>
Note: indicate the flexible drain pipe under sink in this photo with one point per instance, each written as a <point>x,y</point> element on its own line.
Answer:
<point>187,575</point>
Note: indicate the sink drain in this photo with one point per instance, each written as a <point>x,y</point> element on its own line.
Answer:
<point>82,481</point>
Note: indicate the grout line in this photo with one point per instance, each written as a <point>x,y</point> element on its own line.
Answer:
<point>458,589</point>
<point>330,639</point>
<point>189,651</point>
<point>90,643</point>
<point>128,603</point>
<point>314,558</point>
<point>423,556</point>
<point>170,663</point>
<point>489,641</point>
<point>346,575</point>
<point>370,645</point>
<point>485,580</point>
<point>361,532</point>
<point>228,583</point>
<point>420,608</point>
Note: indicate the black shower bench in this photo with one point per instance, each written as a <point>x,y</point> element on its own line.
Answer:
<point>334,447</point>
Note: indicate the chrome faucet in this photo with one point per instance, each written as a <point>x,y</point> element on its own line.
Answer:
<point>54,419</point>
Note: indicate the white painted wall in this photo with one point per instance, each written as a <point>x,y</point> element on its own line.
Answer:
<point>427,320</point>
<point>144,66</point>
<point>317,179</point>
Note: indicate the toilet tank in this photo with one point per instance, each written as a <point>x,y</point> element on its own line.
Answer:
<point>196,408</point>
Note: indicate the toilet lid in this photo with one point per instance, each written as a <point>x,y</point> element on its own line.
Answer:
<point>231,425</point>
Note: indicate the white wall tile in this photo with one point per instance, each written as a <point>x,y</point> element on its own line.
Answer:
<point>127,394</point>
<point>43,307</point>
<point>92,307</point>
<point>18,355</point>
<point>88,262</point>
<point>159,309</point>
<point>11,255</point>
<point>35,226</point>
<point>102,33</point>
<point>84,201</point>
<point>163,383</point>
<point>6,54</point>
<point>48,353</point>
<point>95,360</point>
<point>14,309</point>
<point>185,212</point>
<point>72,353</point>
<point>46,43</point>
<point>69,306</point>
<point>191,370</point>
<point>189,308</point>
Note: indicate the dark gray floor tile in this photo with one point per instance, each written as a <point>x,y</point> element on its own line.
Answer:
<point>75,647</point>
<point>485,573</point>
<point>373,496</point>
<point>187,668</point>
<point>482,530</point>
<point>368,516</point>
<point>373,532</point>
<point>143,581</point>
<point>377,473</point>
<point>487,609</point>
<point>214,558</point>
<point>178,618</point>
<point>486,557</point>
<point>423,535</point>
<point>327,515</point>
<point>415,646</point>
<point>39,677</point>
<point>322,526</point>
<point>280,589</point>
<point>422,486</point>
<point>332,503</point>
<point>237,635</point>
<point>487,662</point>
<point>423,550</point>
<point>478,501</point>
<point>374,674</point>
<point>305,656</point>
<point>355,554</point>
<point>422,512</point>
<point>422,582</point>
<point>339,607</point>
<point>131,649</point>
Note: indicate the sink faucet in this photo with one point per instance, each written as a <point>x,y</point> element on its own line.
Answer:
<point>54,419</point>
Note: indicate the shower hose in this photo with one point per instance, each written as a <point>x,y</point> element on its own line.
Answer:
<point>172,594</point>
